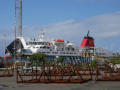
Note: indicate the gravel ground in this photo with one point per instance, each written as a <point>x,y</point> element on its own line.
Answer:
<point>10,84</point>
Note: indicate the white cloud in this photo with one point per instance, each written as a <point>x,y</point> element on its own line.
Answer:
<point>104,26</point>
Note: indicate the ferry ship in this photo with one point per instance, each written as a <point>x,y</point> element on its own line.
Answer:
<point>52,49</point>
<point>59,48</point>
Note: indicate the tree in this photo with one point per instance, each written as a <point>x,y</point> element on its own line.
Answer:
<point>38,59</point>
<point>94,63</point>
<point>60,60</point>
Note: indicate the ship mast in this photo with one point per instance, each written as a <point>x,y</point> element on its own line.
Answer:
<point>42,36</point>
<point>18,17</point>
<point>18,30</point>
<point>18,23</point>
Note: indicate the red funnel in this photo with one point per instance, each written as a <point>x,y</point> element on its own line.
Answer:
<point>87,42</point>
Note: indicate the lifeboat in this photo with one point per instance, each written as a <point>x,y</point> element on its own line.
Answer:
<point>59,40</point>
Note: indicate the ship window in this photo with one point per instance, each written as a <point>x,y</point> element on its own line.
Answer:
<point>72,49</point>
<point>27,43</point>
<point>71,53</point>
<point>68,49</point>
<point>76,57</point>
<point>47,47</point>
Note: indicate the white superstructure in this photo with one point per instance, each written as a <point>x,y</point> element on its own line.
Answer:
<point>55,47</point>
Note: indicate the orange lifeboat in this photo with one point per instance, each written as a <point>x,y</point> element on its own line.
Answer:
<point>59,40</point>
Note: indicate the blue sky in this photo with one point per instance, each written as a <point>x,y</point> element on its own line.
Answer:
<point>51,11</point>
<point>73,17</point>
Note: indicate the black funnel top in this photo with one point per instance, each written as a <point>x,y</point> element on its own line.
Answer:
<point>88,37</point>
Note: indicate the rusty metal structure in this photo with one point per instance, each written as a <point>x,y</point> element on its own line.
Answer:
<point>6,69</point>
<point>109,74</point>
<point>67,73</point>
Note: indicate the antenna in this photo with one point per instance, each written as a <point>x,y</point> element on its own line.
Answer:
<point>88,33</point>
<point>42,35</point>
